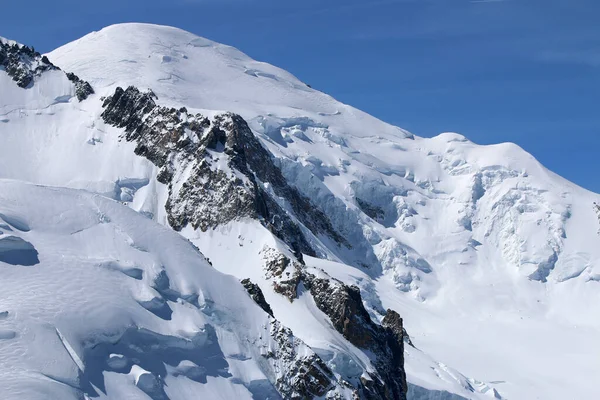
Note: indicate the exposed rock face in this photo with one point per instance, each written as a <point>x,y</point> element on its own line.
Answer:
<point>23,64</point>
<point>301,374</point>
<point>284,273</point>
<point>372,211</point>
<point>217,171</point>
<point>82,88</point>
<point>343,305</point>
<point>214,164</point>
<point>393,321</point>
<point>257,295</point>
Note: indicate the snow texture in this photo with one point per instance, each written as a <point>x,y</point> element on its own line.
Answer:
<point>490,259</point>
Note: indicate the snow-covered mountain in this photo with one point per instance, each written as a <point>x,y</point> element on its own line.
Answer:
<point>331,221</point>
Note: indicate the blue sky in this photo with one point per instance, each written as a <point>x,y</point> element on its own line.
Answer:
<point>525,71</point>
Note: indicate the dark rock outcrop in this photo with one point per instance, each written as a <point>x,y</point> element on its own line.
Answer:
<point>218,171</point>
<point>303,376</point>
<point>23,64</point>
<point>375,212</point>
<point>393,322</point>
<point>284,273</point>
<point>82,88</point>
<point>257,295</point>
<point>230,175</point>
<point>344,307</point>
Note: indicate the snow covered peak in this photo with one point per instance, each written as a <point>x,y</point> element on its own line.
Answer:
<point>4,40</point>
<point>187,70</point>
<point>490,258</point>
<point>451,137</point>
<point>168,60</point>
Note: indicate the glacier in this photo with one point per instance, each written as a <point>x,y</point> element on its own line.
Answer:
<point>489,258</point>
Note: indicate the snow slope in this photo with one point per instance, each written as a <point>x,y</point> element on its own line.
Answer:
<point>105,303</point>
<point>491,259</point>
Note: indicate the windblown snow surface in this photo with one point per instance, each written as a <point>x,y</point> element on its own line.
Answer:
<point>492,260</point>
<point>133,299</point>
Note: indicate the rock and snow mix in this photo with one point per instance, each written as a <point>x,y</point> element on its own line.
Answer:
<point>335,222</point>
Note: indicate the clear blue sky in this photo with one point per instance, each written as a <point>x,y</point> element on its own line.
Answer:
<point>526,71</point>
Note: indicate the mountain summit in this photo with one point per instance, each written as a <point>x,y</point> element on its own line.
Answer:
<point>178,220</point>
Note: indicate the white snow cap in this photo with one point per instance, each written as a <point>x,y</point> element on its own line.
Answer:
<point>491,259</point>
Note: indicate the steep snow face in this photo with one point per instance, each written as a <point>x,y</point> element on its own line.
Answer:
<point>490,258</point>
<point>186,69</point>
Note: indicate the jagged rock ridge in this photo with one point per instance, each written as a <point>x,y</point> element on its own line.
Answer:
<point>175,140</point>
<point>343,305</point>
<point>22,63</point>
<point>301,376</point>
<point>82,88</point>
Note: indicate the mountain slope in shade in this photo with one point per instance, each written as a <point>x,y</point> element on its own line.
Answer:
<point>488,257</point>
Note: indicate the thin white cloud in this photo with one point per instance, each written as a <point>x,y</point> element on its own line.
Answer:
<point>582,57</point>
